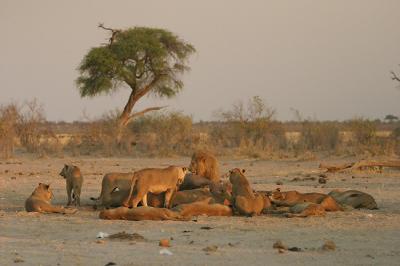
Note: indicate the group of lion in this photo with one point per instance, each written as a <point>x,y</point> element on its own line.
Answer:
<point>179,193</point>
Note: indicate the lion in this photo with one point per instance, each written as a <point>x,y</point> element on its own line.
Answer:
<point>40,201</point>
<point>292,198</point>
<point>220,193</point>
<point>355,199</point>
<point>203,207</point>
<point>74,180</point>
<point>142,213</point>
<point>306,209</point>
<point>193,181</point>
<point>156,181</point>
<point>115,188</point>
<point>244,200</point>
<point>205,164</point>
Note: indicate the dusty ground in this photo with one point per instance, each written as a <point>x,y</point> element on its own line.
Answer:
<point>362,237</point>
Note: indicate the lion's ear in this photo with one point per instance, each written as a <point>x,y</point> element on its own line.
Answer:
<point>46,186</point>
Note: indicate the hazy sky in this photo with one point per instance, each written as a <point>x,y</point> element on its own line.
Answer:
<point>328,59</point>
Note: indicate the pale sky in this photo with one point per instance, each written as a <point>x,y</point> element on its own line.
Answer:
<point>331,60</point>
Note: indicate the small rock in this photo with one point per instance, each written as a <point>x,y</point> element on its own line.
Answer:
<point>164,243</point>
<point>322,175</point>
<point>322,180</point>
<point>165,251</point>
<point>100,241</point>
<point>281,250</point>
<point>206,227</point>
<point>329,245</point>
<point>295,249</point>
<point>110,264</point>
<point>13,177</point>
<point>279,183</point>
<point>212,248</point>
<point>18,260</point>
<point>279,245</point>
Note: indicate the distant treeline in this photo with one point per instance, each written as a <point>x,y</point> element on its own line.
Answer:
<point>243,132</point>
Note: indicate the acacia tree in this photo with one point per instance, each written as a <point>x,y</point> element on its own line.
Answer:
<point>145,60</point>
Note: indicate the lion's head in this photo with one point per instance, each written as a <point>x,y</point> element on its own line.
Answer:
<point>44,191</point>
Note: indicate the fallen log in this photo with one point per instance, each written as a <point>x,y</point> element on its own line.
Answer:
<point>369,164</point>
<point>360,165</point>
<point>335,168</point>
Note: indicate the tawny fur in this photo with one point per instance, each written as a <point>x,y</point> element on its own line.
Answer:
<point>142,213</point>
<point>74,180</point>
<point>204,207</point>
<point>156,181</point>
<point>244,200</point>
<point>206,165</point>
<point>40,201</point>
<point>115,188</point>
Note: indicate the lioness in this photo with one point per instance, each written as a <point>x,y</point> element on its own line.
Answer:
<point>142,213</point>
<point>203,207</point>
<point>355,199</point>
<point>306,209</point>
<point>40,201</point>
<point>156,181</point>
<point>205,164</point>
<point>74,180</point>
<point>292,198</point>
<point>243,198</point>
<point>115,188</point>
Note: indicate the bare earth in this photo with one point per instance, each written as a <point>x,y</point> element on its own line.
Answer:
<point>362,237</point>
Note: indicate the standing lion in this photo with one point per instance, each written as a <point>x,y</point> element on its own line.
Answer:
<point>205,164</point>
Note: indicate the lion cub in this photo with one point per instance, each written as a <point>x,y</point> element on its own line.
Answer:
<point>73,178</point>
<point>156,181</point>
<point>40,199</point>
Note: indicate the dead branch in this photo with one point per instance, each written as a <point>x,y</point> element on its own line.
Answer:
<point>142,113</point>
<point>335,168</point>
<point>114,32</point>
<point>368,164</point>
<point>360,165</point>
<point>394,76</point>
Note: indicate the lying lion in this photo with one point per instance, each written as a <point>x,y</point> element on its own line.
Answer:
<point>203,207</point>
<point>156,181</point>
<point>115,188</point>
<point>355,199</point>
<point>40,201</point>
<point>292,198</point>
<point>306,209</point>
<point>244,200</point>
<point>142,213</point>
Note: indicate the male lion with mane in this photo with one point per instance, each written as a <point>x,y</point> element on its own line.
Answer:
<point>206,165</point>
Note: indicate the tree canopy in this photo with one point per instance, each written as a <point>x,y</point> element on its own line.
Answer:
<point>147,60</point>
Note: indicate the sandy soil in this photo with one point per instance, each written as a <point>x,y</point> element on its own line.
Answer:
<point>362,237</point>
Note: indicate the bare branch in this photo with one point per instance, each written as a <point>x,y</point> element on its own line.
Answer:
<point>114,32</point>
<point>394,76</point>
<point>143,112</point>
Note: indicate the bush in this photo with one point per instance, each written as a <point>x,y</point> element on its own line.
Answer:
<point>318,136</point>
<point>9,116</point>
<point>163,134</point>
